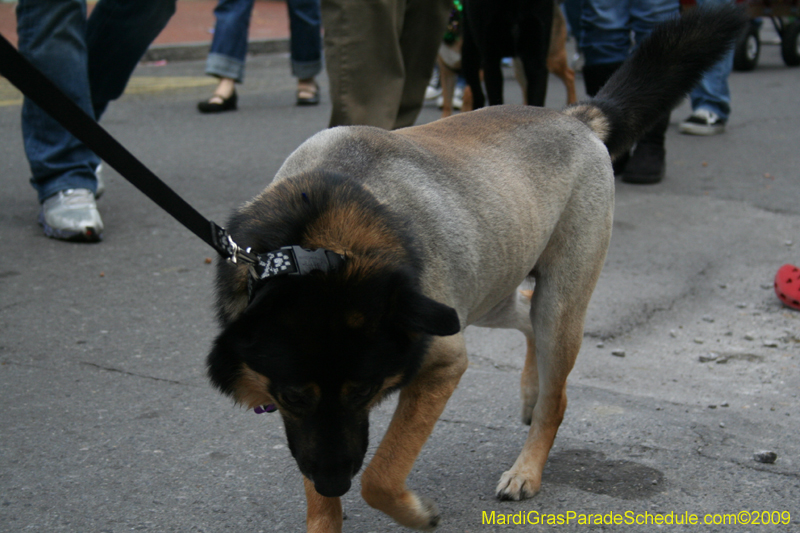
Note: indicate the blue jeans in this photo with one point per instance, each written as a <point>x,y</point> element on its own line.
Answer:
<point>305,23</point>
<point>91,61</point>
<point>712,92</point>
<point>611,28</point>
<point>229,45</point>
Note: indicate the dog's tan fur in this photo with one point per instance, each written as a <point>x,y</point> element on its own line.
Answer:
<point>383,483</point>
<point>557,62</point>
<point>323,515</point>
<point>252,388</point>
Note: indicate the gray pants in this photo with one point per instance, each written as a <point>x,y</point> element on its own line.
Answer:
<point>379,56</point>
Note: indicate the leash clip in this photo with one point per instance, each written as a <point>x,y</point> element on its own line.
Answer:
<point>227,247</point>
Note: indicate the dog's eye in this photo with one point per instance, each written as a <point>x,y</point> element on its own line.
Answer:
<point>360,394</point>
<point>295,399</point>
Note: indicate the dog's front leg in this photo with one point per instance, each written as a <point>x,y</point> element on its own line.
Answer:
<point>383,484</point>
<point>323,515</point>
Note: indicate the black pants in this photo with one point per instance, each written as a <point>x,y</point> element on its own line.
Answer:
<point>495,29</point>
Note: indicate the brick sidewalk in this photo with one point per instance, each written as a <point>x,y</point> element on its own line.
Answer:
<point>192,23</point>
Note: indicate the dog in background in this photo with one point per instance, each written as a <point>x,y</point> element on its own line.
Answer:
<point>495,29</point>
<point>418,233</point>
<point>556,58</point>
<point>450,64</point>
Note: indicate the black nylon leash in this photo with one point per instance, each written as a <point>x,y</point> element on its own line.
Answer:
<point>44,93</point>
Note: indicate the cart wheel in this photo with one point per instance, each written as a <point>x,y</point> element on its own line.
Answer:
<point>790,44</point>
<point>748,47</point>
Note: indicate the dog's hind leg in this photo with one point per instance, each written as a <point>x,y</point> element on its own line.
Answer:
<point>529,381</point>
<point>513,312</point>
<point>383,484</point>
<point>566,274</point>
<point>323,515</point>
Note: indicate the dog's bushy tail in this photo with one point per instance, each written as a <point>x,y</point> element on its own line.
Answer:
<point>657,76</point>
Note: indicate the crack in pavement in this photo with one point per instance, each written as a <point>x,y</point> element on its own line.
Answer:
<point>134,374</point>
<point>696,287</point>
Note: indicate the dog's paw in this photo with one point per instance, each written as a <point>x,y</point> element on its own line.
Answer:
<point>516,486</point>
<point>409,509</point>
<point>430,512</point>
<point>419,513</point>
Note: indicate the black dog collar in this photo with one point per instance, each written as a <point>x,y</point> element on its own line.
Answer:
<point>288,260</point>
<point>295,260</point>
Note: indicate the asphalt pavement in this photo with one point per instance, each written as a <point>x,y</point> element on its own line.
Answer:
<point>689,366</point>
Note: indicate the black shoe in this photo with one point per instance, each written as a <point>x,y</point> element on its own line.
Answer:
<point>227,104</point>
<point>647,164</point>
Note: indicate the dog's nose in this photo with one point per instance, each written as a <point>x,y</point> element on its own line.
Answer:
<point>332,486</point>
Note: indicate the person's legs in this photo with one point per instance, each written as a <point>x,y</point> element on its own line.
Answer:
<point>364,61</point>
<point>604,38</point>
<point>711,97</point>
<point>117,36</point>
<point>305,22</point>
<point>423,27</point>
<point>489,21</point>
<point>605,35</point>
<point>52,37</point>
<point>533,46</point>
<point>713,93</point>
<point>470,63</point>
<point>226,58</point>
<point>647,164</point>
<point>646,14</point>
<point>710,101</point>
<point>572,12</point>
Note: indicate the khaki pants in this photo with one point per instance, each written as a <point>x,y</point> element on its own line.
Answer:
<point>379,56</point>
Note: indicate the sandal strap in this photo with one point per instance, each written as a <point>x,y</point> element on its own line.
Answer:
<point>306,87</point>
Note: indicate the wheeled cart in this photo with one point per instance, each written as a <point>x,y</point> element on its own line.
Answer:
<point>784,16</point>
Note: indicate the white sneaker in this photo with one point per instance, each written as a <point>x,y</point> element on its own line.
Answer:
<point>702,122</point>
<point>458,97</point>
<point>434,88</point>
<point>72,215</point>
<point>101,184</point>
<point>432,92</point>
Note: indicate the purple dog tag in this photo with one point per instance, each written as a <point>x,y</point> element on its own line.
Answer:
<point>268,408</point>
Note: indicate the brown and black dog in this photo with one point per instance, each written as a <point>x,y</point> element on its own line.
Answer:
<point>449,61</point>
<point>495,29</point>
<point>419,233</point>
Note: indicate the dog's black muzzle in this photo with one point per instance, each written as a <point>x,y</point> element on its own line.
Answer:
<point>332,486</point>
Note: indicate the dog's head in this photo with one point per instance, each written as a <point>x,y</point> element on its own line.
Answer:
<point>325,348</point>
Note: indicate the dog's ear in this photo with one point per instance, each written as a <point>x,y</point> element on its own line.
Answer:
<point>224,363</point>
<point>419,314</point>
